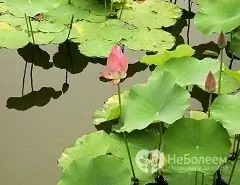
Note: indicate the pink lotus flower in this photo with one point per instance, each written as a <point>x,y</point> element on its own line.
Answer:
<point>117,65</point>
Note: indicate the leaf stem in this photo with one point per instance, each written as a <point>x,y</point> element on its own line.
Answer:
<point>105,5</point>
<point>230,48</point>
<point>202,179</point>
<point>235,163</point>
<point>220,70</point>
<point>124,134</point>
<point>196,178</point>
<point>28,30</point>
<point>123,5</point>
<point>70,27</point>
<point>209,105</point>
<point>69,1</point>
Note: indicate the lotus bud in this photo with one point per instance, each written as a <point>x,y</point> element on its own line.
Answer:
<point>222,42</point>
<point>210,83</point>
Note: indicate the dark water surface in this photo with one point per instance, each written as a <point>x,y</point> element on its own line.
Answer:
<point>32,138</point>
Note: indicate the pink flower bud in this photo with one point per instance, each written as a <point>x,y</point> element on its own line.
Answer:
<point>117,65</point>
<point>222,43</point>
<point>210,83</point>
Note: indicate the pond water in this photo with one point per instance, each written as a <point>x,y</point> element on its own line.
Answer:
<point>33,137</point>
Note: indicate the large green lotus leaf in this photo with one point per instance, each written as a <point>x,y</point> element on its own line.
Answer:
<point>42,38</point>
<point>196,145</point>
<point>226,171</point>
<point>96,48</point>
<point>163,56</point>
<point>191,71</point>
<point>218,15</point>
<point>63,13</point>
<point>188,178</point>
<point>235,43</point>
<point>85,31</point>
<point>3,8</point>
<point>85,147</point>
<point>109,110</point>
<point>225,110</point>
<point>115,30</point>
<point>7,41</point>
<point>31,7</point>
<point>152,14</point>
<point>104,169</point>
<point>48,27</point>
<point>150,40</point>
<point>154,101</point>
<point>13,21</point>
<point>232,73</point>
<point>138,142</point>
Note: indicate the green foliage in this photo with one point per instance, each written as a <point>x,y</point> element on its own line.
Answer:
<point>225,110</point>
<point>154,102</point>
<point>199,138</point>
<point>215,16</point>
<point>90,16</point>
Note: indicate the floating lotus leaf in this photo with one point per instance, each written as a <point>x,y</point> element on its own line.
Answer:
<point>43,38</point>
<point>63,13</point>
<point>47,27</point>
<point>7,41</point>
<point>30,7</point>
<point>164,55</point>
<point>154,101</point>
<point>150,40</point>
<point>151,14</point>
<point>196,141</point>
<point>110,109</point>
<point>215,16</point>
<point>3,8</point>
<point>101,47</point>
<point>104,169</point>
<point>225,110</point>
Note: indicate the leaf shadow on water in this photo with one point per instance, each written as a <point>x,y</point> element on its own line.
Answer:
<point>69,58</point>
<point>36,98</point>
<point>40,57</point>
<point>209,49</point>
<point>176,30</point>
<point>202,96</point>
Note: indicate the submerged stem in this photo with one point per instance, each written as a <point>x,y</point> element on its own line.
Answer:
<point>235,163</point>
<point>209,105</point>
<point>33,52</point>
<point>124,133</point>
<point>220,70</point>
